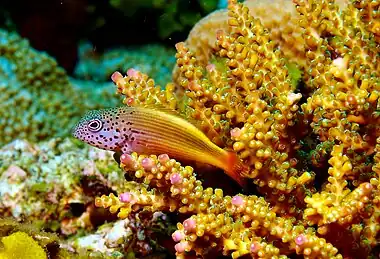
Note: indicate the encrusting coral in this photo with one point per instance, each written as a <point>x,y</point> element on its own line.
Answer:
<point>133,237</point>
<point>16,245</point>
<point>312,144</point>
<point>25,240</point>
<point>37,98</point>
<point>33,88</point>
<point>53,183</point>
<point>153,59</point>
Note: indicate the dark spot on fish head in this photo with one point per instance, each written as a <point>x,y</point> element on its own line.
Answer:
<point>98,129</point>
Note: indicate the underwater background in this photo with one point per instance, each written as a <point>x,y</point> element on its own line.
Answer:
<point>291,88</point>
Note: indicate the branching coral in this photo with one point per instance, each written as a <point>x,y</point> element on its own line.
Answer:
<point>279,17</point>
<point>236,224</point>
<point>243,97</point>
<point>344,64</point>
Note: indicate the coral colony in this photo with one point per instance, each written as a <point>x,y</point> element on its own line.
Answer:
<point>291,88</point>
<point>312,143</point>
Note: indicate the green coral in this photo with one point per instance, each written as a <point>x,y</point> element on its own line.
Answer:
<point>37,99</point>
<point>154,59</point>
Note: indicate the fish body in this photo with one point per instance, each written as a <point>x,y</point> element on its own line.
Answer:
<point>154,131</point>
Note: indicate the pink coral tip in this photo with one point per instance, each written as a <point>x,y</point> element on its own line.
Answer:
<point>163,158</point>
<point>116,77</point>
<point>147,163</point>
<point>175,178</point>
<point>237,200</point>
<point>255,247</point>
<point>126,159</point>
<point>125,197</point>
<point>211,68</point>
<point>300,239</point>
<point>189,224</point>
<point>133,73</point>
<point>235,133</point>
<point>180,247</point>
<point>178,236</point>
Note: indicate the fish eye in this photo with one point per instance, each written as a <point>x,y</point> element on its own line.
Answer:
<point>95,125</point>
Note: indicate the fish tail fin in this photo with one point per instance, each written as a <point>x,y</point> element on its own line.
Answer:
<point>236,168</point>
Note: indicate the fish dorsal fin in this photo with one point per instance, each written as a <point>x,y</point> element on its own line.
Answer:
<point>160,107</point>
<point>179,114</point>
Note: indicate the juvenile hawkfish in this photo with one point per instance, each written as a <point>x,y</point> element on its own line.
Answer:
<point>148,130</point>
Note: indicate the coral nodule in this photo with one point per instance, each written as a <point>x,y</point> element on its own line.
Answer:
<point>309,133</point>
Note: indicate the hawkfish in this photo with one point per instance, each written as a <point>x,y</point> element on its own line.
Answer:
<point>150,130</point>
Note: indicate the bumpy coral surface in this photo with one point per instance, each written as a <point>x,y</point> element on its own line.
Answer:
<point>53,183</point>
<point>37,99</point>
<point>279,17</point>
<point>312,146</point>
<point>155,60</point>
<point>35,92</point>
<point>131,237</point>
<point>25,240</point>
<point>21,245</point>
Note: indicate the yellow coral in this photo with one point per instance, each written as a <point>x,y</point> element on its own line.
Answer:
<point>20,245</point>
<point>240,91</point>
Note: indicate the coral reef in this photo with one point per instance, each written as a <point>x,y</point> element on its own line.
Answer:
<point>33,87</point>
<point>53,183</point>
<point>38,100</point>
<point>16,245</point>
<point>312,145</point>
<point>155,60</point>
<point>25,240</point>
<point>133,237</point>
<point>279,17</point>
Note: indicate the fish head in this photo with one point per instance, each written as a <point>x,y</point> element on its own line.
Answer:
<point>99,129</point>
